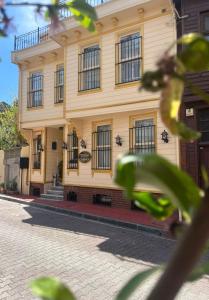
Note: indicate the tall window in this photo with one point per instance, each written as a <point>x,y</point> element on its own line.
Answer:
<point>37,152</point>
<point>89,68</point>
<point>128,58</point>
<point>142,137</point>
<point>204,17</point>
<point>101,148</point>
<point>73,150</point>
<point>59,84</point>
<point>203,125</point>
<point>35,89</point>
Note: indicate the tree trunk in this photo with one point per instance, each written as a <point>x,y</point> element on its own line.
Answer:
<point>186,255</point>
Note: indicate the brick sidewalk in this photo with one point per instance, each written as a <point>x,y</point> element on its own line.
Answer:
<point>119,215</point>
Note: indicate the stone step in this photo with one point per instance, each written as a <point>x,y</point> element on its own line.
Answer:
<point>52,197</point>
<point>55,192</point>
<point>57,188</point>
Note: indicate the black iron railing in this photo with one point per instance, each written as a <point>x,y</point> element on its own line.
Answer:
<point>128,60</point>
<point>72,151</point>
<point>142,139</point>
<point>102,150</point>
<point>59,86</point>
<point>89,70</point>
<point>35,91</point>
<point>39,35</point>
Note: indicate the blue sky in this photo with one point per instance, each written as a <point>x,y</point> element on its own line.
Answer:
<point>24,20</point>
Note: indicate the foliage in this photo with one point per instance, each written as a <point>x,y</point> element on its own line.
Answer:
<point>10,136</point>
<point>12,185</point>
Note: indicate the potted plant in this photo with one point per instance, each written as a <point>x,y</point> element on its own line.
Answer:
<point>2,188</point>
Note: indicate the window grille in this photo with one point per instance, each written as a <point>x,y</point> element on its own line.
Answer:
<point>89,69</point>
<point>59,84</point>
<point>101,148</point>
<point>142,137</point>
<point>35,90</point>
<point>128,59</point>
<point>72,151</point>
<point>37,152</point>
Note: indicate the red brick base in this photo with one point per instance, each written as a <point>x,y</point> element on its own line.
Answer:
<point>34,185</point>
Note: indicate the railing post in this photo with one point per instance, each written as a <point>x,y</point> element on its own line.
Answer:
<point>15,40</point>
<point>38,35</point>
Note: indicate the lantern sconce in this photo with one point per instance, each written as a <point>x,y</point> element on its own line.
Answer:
<point>118,140</point>
<point>64,146</point>
<point>164,135</point>
<point>83,144</point>
<point>40,148</point>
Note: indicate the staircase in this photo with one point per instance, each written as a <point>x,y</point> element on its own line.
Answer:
<point>55,193</point>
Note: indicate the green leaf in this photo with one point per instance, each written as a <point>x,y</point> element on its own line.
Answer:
<point>134,282</point>
<point>161,174</point>
<point>83,12</point>
<point>161,208</point>
<point>195,55</point>
<point>49,288</point>
<point>199,272</point>
<point>169,110</point>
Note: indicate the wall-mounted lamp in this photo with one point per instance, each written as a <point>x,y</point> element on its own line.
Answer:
<point>40,148</point>
<point>118,140</point>
<point>64,146</point>
<point>83,144</point>
<point>164,135</point>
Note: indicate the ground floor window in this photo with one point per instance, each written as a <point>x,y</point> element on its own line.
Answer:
<point>37,152</point>
<point>101,148</point>
<point>142,136</point>
<point>73,150</point>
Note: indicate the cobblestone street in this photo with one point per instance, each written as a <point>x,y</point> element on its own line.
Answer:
<point>94,259</point>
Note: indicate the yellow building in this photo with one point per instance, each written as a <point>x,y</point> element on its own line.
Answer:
<point>80,105</point>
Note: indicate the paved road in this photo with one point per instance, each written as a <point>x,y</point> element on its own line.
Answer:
<point>92,258</point>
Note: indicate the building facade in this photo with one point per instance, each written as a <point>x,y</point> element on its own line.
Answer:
<point>195,112</point>
<point>80,105</point>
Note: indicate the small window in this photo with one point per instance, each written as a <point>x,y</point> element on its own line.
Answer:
<point>73,150</point>
<point>128,58</point>
<point>203,125</point>
<point>101,148</point>
<point>142,137</point>
<point>35,89</point>
<point>204,22</point>
<point>59,84</point>
<point>89,68</point>
<point>37,152</point>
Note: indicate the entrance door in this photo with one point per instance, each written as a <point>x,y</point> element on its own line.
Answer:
<point>203,126</point>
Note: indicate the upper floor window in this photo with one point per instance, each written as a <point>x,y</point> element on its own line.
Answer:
<point>128,58</point>
<point>35,89</point>
<point>37,152</point>
<point>142,136</point>
<point>101,148</point>
<point>89,68</point>
<point>204,22</point>
<point>59,84</point>
<point>73,150</point>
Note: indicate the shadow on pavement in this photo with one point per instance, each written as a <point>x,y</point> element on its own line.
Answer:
<point>123,243</point>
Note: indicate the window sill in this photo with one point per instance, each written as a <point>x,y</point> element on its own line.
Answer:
<point>35,107</point>
<point>128,84</point>
<point>102,171</point>
<point>58,103</point>
<point>97,90</point>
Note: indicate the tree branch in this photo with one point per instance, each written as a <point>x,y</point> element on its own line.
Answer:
<point>186,255</point>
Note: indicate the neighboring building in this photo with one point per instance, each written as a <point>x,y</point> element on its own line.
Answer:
<point>195,112</point>
<point>79,92</point>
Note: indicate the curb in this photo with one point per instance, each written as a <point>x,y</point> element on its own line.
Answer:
<point>87,216</point>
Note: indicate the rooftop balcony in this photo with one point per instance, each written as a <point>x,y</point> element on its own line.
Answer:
<point>41,34</point>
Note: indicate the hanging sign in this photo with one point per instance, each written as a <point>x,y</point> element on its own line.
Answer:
<point>84,156</point>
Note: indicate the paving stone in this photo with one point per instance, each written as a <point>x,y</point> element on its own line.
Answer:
<point>93,259</point>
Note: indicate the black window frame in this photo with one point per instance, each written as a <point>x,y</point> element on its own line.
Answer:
<point>128,64</point>
<point>37,144</point>
<point>72,151</point>
<point>102,149</point>
<point>202,27</point>
<point>142,139</point>
<point>59,84</point>
<point>35,89</point>
<point>89,70</point>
